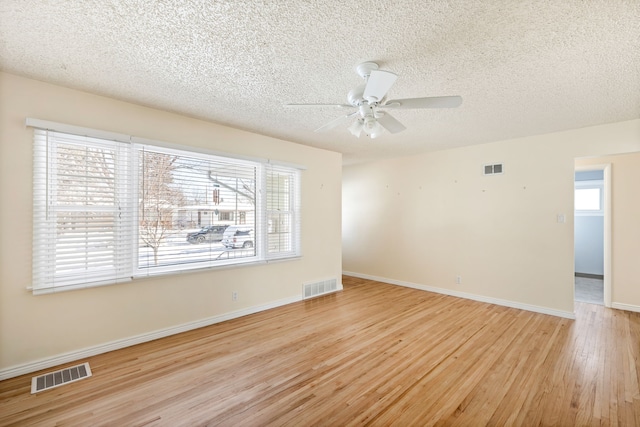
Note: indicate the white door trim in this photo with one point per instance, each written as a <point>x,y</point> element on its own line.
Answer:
<point>608,280</point>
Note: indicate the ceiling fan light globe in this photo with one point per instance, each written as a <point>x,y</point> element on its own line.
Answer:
<point>372,127</point>
<point>376,132</point>
<point>356,128</point>
<point>370,123</point>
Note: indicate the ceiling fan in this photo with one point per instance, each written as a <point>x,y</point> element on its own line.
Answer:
<point>370,102</point>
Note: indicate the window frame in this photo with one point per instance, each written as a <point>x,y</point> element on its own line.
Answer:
<point>177,268</point>
<point>134,144</point>
<point>293,212</point>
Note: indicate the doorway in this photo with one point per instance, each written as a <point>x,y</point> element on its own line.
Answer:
<point>592,231</point>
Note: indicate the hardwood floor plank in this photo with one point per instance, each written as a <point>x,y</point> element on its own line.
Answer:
<point>374,354</point>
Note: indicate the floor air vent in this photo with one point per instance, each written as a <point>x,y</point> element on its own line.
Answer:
<point>310,290</point>
<point>61,377</point>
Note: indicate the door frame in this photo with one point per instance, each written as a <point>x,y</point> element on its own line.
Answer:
<point>607,280</point>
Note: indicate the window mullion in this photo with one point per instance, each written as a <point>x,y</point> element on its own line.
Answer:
<point>262,232</point>
<point>125,193</point>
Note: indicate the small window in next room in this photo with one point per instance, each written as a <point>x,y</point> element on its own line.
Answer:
<point>589,193</point>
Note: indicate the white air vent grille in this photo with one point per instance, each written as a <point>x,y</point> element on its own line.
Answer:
<point>495,169</point>
<point>61,377</point>
<point>310,290</point>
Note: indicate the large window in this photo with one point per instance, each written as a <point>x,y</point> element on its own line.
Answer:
<point>108,211</point>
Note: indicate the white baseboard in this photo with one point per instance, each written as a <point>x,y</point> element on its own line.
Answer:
<point>628,307</point>
<point>481,298</point>
<point>72,356</point>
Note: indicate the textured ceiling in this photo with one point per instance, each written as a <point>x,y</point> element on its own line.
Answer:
<point>522,67</point>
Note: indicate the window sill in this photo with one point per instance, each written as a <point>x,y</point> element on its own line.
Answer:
<point>139,277</point>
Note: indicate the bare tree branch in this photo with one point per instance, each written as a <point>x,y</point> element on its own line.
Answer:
<point>158,199</point>
<point>249,196</point>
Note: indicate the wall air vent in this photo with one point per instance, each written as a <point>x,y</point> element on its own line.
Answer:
<point>310,290</point>
<point>495,169</point>
<point>61,377</point>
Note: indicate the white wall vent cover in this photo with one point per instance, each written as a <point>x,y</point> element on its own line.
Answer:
<point>61,377</point>
<point>310,290</point>
<point>495,169</point>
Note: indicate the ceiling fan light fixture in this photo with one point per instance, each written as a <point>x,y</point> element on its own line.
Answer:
<point>376,133</point>
<point>372,127</point>
<point>356,128</point>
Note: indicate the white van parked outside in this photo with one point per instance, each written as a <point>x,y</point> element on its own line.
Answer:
<point>238,236</point>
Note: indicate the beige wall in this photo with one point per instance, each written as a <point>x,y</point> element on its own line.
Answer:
<point>625,227</point>
<point>424,220</point>
<point>41,327</point>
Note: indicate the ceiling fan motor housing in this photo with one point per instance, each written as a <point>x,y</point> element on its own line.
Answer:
<point>366,110</point>
<point>355,96</point>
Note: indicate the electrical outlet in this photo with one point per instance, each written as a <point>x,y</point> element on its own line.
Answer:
<point>458,280</point>
<point>234,296</point>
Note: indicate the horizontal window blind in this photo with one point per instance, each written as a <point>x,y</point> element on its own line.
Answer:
<point>109,211</point>
<point>82,212</point>
<point>283,212</point>
<point>187,202</point>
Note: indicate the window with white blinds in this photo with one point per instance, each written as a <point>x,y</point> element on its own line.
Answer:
<point>283,198</point>
<point>109,211</point>
<point>82,229</point>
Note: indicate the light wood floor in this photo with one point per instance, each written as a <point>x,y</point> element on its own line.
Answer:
<point>374,354</point>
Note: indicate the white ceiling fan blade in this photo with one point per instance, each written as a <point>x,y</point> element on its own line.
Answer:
<point>335,123</point>
<point>390,123</point>
<point>318,105</point>
<point>378,85</point>
<point>429,102</point>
